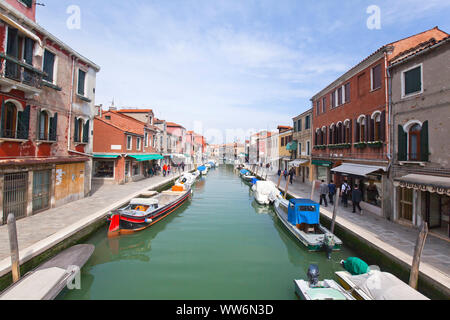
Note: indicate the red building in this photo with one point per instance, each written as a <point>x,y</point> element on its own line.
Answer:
<point>123,148</point>
<point>350,124</point>
<point>47,94</point>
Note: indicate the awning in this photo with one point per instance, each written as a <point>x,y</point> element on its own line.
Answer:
<point>146,157</point>
<point>357,169</point>
<point>432,184</point>
<point>106,156</point>
<point>322,163</point>
<point>16,25</point>
<point>298,163</point>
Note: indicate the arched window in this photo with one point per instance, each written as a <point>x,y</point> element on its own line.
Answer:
<point>9,121</point>
<point>44,125</point>
<point>347,131</point>
<point>414,142</point>
<point>376,133</point>
<point>362,121</point>
<point>332,133</point>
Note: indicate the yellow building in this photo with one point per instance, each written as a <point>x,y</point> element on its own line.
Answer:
<point>303,139</point>
<point>285,138</point>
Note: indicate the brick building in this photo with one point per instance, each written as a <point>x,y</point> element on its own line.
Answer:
<point>350,126</point>
<point>123,149</point>
<point>47,93</point>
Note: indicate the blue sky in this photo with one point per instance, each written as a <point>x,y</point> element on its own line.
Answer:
<point>231,64</point>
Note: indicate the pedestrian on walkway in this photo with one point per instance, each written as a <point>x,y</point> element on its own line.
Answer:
<point>345,193</point>
<point>285,173</point>
<point>165,170</point>
<point>291,175</point>
<point>332,189</point>
<point>169,168</point>
<point>324,191</point>
<point>279,172</point>
<point>182,166</point>
<point>356,199</point>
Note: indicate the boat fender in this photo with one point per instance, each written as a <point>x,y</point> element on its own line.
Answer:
<point>148,220</point>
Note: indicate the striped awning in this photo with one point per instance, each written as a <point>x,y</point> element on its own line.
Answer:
<point>432,184</point>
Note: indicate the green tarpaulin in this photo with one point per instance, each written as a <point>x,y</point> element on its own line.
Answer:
<point>356,266</point>
<point>146,157</point>
<point>105,156</point>
<point>291,146</point>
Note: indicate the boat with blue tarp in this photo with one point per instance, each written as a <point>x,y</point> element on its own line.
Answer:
<point>302,218</point>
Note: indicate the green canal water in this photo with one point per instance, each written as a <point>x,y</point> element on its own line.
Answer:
<point>220,245</point>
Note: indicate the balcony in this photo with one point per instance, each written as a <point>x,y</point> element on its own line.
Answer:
<point>18,75</point>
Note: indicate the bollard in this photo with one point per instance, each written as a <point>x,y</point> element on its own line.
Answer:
<point>313,190</point>
<point>414,276</point>
<point>14,247</point>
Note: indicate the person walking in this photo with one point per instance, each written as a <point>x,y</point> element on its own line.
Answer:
<point>285,173</point>
<point>279,172</point>
<point>165,170</point>
<point>324,191</point>
<point>345,193</point>
<point>182,166</point>
<point>332,189</point>
<point>356,199</point>
<point>291,175</point>
<point>169,168</point>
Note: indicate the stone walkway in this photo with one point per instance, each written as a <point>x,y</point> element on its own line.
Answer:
<point>396,240</point>
<point>34,229</point>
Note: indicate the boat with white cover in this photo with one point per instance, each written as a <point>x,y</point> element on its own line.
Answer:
<point>265,192</point>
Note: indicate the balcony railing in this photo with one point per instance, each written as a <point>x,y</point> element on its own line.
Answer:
<point>14,69</point>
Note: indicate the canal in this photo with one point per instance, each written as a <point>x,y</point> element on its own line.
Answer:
<point>219,246</point>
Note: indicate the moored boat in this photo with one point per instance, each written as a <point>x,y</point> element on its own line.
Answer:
<point>302,218</point>
<point>265,192</point>
<point>313,289</point>
<point>142,213</point>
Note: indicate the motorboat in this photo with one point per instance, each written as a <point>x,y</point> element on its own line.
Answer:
<point>377,285</point>
<point>142,213</point>
<point>246,175</point>
<point>313,289</point>
<point>186,179</point>
<point>265,192</point>
<point>302,218</point>
<point>203,170</point>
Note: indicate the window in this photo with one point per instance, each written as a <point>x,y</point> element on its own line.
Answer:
<point>27,3</point>
<point>339,94</point>
<point>146,139</point>
<point>44,126</point>
<point>299,149</point>
<point>347,131</point>
<point>138,144</point>
<point>347,93</point>
<point>376,77</point>
<point>104,169</point>
<point>300,125</point>
<point>376,127</point>
<point>81,130</point>
<point>318,107</point>
<point>81,82</point>
<point>129,142</point>
<point>362,85</point>
<point>15,121</point>
<point>360,129</point>
<point>308,148</point>
<point>308,122</point>
<point>413,142</point>
<point>333,100</point>
<point>412,81</point>
<point>49,66</point>
<point>324,104</point>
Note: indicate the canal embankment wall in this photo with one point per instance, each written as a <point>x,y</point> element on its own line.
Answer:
<point>43,250</point>
<point>433,283</point>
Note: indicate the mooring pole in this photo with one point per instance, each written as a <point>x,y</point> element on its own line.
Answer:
<point>14,247</point>
<point>287,188</point>
<point>420,244</point>
<point>338,192</point>
<point>313,190</point>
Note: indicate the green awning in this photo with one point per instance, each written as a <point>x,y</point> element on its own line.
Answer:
<point>105,156</point>
<point>322,163</point>
<point>146,157</point>
<point>292,146</point>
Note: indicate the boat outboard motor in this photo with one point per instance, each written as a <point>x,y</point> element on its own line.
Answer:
<point>328,245</point>
<point>313,275</point>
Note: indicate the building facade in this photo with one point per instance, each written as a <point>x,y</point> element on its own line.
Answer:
<point>47,96</point>
<point>351,136</point>
<point>285,140</point>
<point>420,177</point>
<point>303,138</point>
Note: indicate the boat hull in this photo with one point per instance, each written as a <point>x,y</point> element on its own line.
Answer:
<point>311,246</point>
<point>121,224</point>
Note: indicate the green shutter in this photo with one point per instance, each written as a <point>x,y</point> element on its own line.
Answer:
<point>53,127</point>
<point>23,124</point>
<point>49,62</point>
<point>383,126</point>
<point>424,148</point>
<point>413,82</point>
<point>75,133</point>
<point>402,144</point>
<point>86,132</point>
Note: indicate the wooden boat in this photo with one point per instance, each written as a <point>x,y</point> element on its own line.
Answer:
<point>313,289</point>
<point>302,218</point>
<point>142,213</point>
<point>48,280</point>
<point>377,285</point>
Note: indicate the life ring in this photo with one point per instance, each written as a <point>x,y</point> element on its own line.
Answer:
<point>140,208</point>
